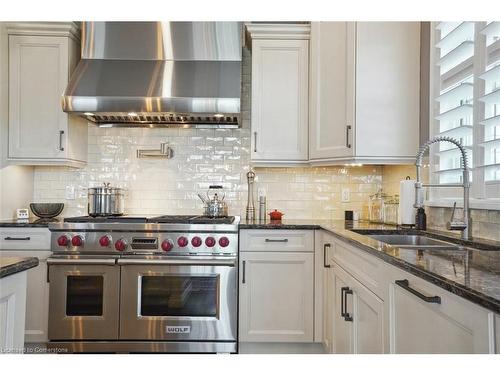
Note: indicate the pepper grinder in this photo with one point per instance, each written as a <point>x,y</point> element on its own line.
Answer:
<point>250,216</point>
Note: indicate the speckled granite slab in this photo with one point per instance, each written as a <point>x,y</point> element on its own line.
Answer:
<point>472,271</point>
<point>30,223</point>
<point>283,225</point>
<point>12,265</point>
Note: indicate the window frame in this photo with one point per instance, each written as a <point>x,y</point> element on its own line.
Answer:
<point>445,197</point>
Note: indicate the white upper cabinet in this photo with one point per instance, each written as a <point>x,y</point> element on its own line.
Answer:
<point>364,92</point>
<point>280,79</point>
<point>41,58</point>
<point>331,94</point>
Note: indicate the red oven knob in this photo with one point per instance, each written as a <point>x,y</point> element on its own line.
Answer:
<point>77,241</point>
<point>210,242</point>
<point>223,241</point>
<point>105,241</point>
<point>63,240</point>
<point>167,245</point>
<point>182,241</point>
<point>121,245</point>
<point>196,241</point>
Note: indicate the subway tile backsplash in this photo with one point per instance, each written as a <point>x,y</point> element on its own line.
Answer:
<point>201,157</point>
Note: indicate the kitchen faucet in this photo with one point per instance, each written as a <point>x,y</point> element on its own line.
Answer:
<point>465,224</point>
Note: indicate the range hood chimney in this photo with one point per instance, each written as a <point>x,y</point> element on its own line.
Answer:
<point>184,74</point>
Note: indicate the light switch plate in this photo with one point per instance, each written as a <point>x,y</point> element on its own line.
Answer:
<point>346,195</point>
<point>70,192</point>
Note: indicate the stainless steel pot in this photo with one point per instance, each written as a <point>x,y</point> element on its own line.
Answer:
<point>215,206</point>
<point>106,201</point>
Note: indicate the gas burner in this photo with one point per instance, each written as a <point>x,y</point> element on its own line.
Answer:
<point>105,219</point>
<point>189,219</point>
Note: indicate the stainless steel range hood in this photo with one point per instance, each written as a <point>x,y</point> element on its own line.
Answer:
<point>185,74</point>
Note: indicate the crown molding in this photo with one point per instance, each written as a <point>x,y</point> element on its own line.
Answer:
<point>67,29</point>
<point>278,30</point>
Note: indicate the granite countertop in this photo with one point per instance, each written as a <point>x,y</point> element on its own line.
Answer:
<point>30,223</point>
<point>13,265</point>
<point>472,271</point>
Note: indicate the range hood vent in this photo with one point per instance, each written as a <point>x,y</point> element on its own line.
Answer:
<point>157,119</point>
<point>151,74</point>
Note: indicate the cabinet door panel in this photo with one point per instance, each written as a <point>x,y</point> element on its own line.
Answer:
<point>279,100</point>
<point>276,297</point>
<point>38,73</point>
<point>387,89</point>
<point>368,320</point>
<point>332,90</point>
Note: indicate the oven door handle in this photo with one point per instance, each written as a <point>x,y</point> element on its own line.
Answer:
<point>179,262</point>
<point>106,262</point>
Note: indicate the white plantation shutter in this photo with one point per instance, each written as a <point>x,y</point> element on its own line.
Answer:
<point>454,100</point>
<point>490,109</point>
<point>465,70</point>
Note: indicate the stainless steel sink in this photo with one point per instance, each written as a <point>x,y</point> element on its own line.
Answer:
<point>413,241</point>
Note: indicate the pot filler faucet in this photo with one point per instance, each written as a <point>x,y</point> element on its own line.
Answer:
<point>465,224</point>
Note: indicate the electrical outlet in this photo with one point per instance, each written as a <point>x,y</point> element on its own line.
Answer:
<point>70,192</point>
<point>346,194</point>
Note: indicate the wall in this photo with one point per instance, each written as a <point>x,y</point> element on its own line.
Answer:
<point>16,182</point>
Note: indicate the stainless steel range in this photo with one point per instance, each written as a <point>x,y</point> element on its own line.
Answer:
<point>136,284</point>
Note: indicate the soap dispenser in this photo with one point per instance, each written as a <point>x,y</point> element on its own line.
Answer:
<point>420,219</point>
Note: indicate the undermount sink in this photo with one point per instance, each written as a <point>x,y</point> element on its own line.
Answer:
<point>413,241</point>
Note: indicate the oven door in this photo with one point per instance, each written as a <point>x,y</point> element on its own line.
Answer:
<point>83,298</point>
<point>176,299</point>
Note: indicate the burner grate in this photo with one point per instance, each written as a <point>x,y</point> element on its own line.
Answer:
<point>105,219</point>
<point>190,219</point>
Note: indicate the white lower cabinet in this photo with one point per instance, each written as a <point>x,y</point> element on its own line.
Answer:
<point>373,307</point>
<point>358,316</point>
<point>276,297</point>
<point>12,312</point>
<point>37,296</point>
<point>31,242</point>
<point>427,319</point>
<point>497,334</point>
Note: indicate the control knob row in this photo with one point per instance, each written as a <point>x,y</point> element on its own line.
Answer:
<point>197,241</point>
<point>121,244</point>
<point>64,240</point>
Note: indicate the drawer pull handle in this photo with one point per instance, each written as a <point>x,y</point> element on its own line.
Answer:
<point>347,316</point>
<point>348,130</point>
<point>405,284</point>
<point>342,290</point>
<point>325,247</point>
<point>271,240</point>
<point>17,238</point>
<point>61,133</point>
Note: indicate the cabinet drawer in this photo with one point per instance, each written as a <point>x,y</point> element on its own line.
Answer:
<point>277,240</point>
<point>426,319</point>
<point>24,239</point>
<point>364,267</point>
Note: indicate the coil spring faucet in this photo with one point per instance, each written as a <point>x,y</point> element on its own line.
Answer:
<point>465,224</point>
